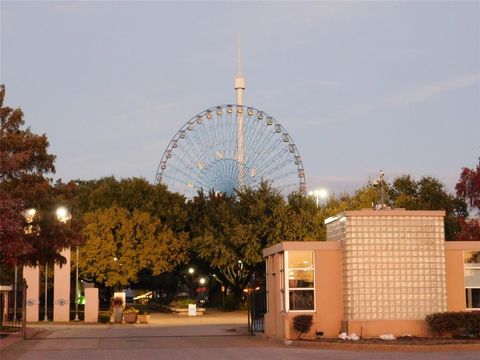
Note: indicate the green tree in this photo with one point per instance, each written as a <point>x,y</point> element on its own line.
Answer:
<point>303,220</point>
<point>429,193</point>
<point>133,194</point>
<point>230,232</point>
<point>217,239</point>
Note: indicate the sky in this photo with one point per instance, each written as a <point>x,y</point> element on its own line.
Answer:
<point>360,86</point>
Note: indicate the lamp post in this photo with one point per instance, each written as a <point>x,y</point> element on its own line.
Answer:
<point>45,317</point>
<point>191,271</point>
<point>76,288</point>
<point>319,194</point>
<point>28,214</point>
<point>222,288</point>
<point>63,216</point>
<point>15,294</point>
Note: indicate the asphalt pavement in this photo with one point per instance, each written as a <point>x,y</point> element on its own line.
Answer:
<point>213,336</point>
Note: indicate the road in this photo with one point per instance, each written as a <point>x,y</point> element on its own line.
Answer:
<point>214,336</point>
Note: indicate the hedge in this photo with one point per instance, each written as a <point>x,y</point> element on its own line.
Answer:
<point>457,324</point>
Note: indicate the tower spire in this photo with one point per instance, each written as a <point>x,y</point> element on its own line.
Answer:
<point>239,69</point>
<point>239,79</point>
<point>239,91</point>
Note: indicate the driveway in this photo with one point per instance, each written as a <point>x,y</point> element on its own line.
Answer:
<point>213,336</point>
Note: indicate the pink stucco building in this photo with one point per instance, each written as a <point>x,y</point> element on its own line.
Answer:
<point>379,272</point>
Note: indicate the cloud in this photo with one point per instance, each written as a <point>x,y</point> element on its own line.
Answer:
<point>404,98</point>
<point>422,93</point>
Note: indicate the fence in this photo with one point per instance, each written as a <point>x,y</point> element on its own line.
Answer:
<point>13,305</point>
<point>257,307</point>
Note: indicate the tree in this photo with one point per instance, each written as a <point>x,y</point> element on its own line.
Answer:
<point>24,161</point>
<point>404,191</point>
<point>429,193</point>
<point>120,243</point>
<point>230,232</point>
<point>133,194</point>
<point>217,238</point>
<point>468,188</point>
<point>303,219</point>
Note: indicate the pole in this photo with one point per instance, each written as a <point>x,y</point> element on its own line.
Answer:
<point>76,289</point>
<point>15,294</point>
<point>24,308</point>
<point>45,318</point>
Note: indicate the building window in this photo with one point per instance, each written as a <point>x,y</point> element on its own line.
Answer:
<point>267,274</point>
<point>281,279</point>
<point>472,279</point>
<point>300,280</point>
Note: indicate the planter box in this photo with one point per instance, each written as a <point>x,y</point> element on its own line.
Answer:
<point>130,318</point>
<point>144,319</point>
<point>117,314</point>
<point>184,311</point>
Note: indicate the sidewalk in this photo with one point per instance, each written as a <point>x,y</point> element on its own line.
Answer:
<point>213,323</point>
<point>14,338</point>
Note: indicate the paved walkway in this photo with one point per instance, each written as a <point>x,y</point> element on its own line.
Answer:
<point>213,336</point>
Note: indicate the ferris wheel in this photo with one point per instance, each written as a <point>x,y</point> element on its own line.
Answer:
<point>228,147</point>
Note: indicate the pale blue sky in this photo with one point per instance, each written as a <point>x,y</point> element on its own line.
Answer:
<point>359,86</point>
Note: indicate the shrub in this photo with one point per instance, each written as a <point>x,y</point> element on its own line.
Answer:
<point>117,301</point>
<point>104,317</point>
<point>302,324</point>
<point>462,324</point>
<point>130,310</point>
<point>182,303</point>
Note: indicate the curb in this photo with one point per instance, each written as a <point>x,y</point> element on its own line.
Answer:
<point>385,347</point>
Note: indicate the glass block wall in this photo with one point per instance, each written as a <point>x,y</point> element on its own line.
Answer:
<point>393,266</point>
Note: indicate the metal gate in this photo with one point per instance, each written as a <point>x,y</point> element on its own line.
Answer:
<point>257,307</point>
<point>13,305</point>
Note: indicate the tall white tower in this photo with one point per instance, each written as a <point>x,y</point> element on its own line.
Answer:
<point>239,94</point>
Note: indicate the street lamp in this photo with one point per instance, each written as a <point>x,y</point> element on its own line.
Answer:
<point>318,194</point>
<point>63,216</point>
<point>76,288</point>
<point>28,214</point>
<point>191,271</point>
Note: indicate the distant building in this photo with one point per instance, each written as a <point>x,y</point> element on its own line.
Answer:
<point>379,272</point>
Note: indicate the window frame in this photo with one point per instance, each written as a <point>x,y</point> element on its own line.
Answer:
<point>286,297</point>
<point>469,266</point>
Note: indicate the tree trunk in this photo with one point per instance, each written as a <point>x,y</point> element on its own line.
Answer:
<point>237,296</point>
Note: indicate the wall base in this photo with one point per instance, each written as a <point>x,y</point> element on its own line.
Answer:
<point>375,328</point>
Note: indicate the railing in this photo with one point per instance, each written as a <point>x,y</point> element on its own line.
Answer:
<point>257,307</point>
<point>13,305</point>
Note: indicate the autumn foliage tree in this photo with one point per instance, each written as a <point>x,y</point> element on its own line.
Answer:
<point>468,188</point>
<point>120,243</point>
<point>24,163</point>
